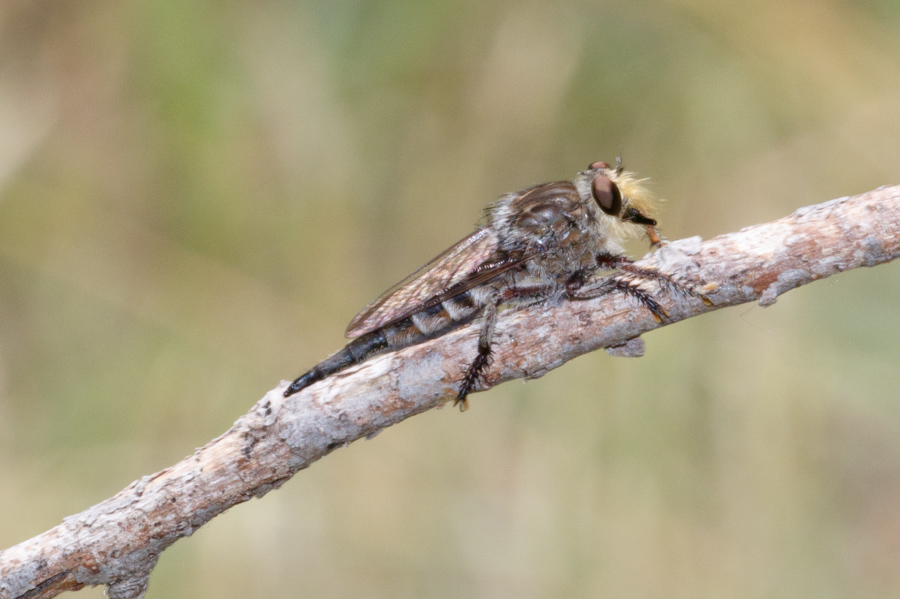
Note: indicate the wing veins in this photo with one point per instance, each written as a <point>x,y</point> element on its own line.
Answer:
<point>475,260</point>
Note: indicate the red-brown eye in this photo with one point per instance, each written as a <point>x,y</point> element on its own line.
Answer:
<point>596,165</point>
<point>607,195</point>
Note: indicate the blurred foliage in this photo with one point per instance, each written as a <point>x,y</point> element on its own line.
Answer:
<point>196,197</point>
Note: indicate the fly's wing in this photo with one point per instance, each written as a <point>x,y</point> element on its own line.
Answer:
<point>472,261</point>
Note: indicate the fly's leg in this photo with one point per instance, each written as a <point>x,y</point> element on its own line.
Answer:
<point>627,281</point>
<point>665,280</point>
<point>482,359</point>
<point>509,295</point>
<point>629,287</point>
<point>353,353</point>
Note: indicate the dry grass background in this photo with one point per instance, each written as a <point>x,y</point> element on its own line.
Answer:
<point>196,197</point>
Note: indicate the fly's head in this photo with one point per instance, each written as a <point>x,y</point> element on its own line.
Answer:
<point>626,208</point>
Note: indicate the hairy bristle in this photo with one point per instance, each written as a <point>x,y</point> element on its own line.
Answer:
<point>639,198</point>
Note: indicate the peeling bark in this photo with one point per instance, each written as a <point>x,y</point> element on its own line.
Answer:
<point>118,541</point>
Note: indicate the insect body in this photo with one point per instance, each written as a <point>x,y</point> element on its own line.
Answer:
<point>542,243</point>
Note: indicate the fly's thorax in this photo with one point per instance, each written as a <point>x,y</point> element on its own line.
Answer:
<point>559,224</point>
<point>576,251</point>
<point>548,206</point>
<point>540,217</point>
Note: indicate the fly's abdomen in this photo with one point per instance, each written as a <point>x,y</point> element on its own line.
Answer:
<point>353,353</point>
<point>429,323</point>
<point>433,321</point>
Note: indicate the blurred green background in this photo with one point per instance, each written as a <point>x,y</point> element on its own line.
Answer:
<point>196,197</point>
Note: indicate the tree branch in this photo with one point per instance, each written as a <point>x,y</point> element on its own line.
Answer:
<point>118,541</point>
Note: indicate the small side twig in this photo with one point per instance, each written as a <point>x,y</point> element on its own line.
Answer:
<point>118,541</point>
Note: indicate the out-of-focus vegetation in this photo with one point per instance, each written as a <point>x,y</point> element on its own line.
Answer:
<point>196,197</point>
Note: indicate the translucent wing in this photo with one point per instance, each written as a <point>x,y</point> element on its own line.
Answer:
<point>472,261</point>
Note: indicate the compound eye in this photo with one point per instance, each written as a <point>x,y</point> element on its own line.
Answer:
<point>596,165</point>
<point>607,195</point>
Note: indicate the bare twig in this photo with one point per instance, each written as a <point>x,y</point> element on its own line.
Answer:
<point>117,541</point>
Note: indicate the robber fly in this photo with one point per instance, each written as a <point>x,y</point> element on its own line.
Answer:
<point>542,243</point>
